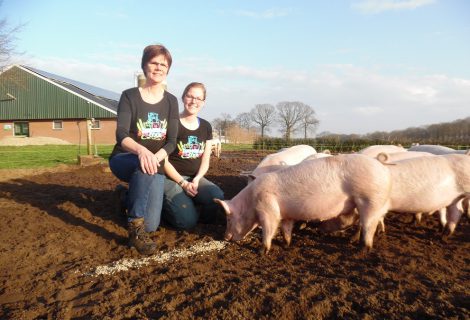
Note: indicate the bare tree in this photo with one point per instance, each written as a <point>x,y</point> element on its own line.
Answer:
<point>7,41</point>
<point>244,120</point>
<point>263,115</point>
<point>222,124</point>
<point>290,115</point>
<point>309,121</point>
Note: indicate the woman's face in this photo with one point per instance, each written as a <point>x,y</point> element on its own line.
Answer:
<point>193,100</point>
<point>156,69</point>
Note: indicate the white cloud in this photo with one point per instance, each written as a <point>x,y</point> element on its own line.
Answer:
<point>378,6</point>
<point>424,94</point>
<point>346,98</point>
<point>97,74</point>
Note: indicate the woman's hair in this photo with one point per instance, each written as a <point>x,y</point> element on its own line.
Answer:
<point>154,50</point>
<point>194,85</point>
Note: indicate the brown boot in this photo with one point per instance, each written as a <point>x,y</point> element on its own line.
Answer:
<point>140,239</point>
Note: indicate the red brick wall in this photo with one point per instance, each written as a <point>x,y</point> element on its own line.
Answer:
<point>73,131</point>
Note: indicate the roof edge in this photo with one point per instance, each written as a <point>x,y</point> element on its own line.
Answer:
<point>24,68</point>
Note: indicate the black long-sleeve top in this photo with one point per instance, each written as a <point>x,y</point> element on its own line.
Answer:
<point>154,126</point>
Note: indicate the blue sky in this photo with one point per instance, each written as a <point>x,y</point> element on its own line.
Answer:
<point>363,65</point>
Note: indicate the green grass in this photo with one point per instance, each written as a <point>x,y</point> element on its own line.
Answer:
<point>52,155</point>
<point>45,156</point>
<point>237,147</point>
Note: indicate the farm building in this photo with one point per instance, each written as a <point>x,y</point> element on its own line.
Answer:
<point>35,103</point>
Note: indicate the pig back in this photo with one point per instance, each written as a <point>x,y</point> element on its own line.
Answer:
<point>373,151</point>
<point>284,157</point>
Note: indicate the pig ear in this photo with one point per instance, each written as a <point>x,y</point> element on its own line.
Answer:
<point>252,177</point>
<point>224,205</point>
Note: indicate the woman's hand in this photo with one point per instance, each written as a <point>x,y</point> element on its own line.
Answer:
<point>149,162</point>
<point>190,188</point>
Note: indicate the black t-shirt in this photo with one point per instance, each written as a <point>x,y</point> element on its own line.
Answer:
<point>154,126</point>
<point>187,156</point>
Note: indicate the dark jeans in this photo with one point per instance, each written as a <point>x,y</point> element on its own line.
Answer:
<point>181,211</point>
<point>145,196</point>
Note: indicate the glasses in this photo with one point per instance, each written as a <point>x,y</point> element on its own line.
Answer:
<point>187,96</point>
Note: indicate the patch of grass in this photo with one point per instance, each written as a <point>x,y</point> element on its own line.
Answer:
<point>16,157</point>
<point>237,147</point>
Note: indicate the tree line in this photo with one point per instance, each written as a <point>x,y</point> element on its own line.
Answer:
<point>289,116</point>
<point>446,133</point>
<point>293,117</point>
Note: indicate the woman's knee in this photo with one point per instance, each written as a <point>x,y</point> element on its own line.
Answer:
<point>179,211</point>
<point>182,219</point>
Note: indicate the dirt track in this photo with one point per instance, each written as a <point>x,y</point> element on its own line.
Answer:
<point>59,226</point>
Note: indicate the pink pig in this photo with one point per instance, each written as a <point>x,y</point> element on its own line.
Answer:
<point>284,157</point>
<point>424,184</point>
<point>311,190</point>
<point>428,184</point>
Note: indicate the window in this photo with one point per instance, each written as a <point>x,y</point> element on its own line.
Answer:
<point>57,125</point>
<point>95,124</point>
<point>21,129</point>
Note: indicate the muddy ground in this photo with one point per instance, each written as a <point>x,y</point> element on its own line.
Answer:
<point>58,226</point>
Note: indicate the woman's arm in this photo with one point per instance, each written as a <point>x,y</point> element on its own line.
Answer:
<point>174,175</point>
<point>172,129</point>
<point>148,161</point>
<point>203,168</point>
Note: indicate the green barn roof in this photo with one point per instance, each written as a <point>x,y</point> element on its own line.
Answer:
<point>30,94</point>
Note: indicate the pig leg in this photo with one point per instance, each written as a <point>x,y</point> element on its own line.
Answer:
<point>368,231</point>
<point>381,225</point>
<point>453,215</point>
<point>442,217</point>
<point>269,217</point>
<point>369,217</point>
<point>357,235</point>
<point>286,227</point>
<point>418,216</point>
<point>269,230</point>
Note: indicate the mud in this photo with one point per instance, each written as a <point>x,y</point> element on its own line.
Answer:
<point>60,226</point>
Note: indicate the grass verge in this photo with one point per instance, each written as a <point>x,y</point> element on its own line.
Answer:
<point>16,157</point>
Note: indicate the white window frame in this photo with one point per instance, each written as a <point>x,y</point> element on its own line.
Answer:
<point>96,124</point>
<point>54,125</point>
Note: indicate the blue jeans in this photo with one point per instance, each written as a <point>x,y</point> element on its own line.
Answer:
<point>180,210</point>
<point>145,196</point>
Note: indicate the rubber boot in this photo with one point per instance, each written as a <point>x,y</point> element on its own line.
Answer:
<point>140,239</point>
